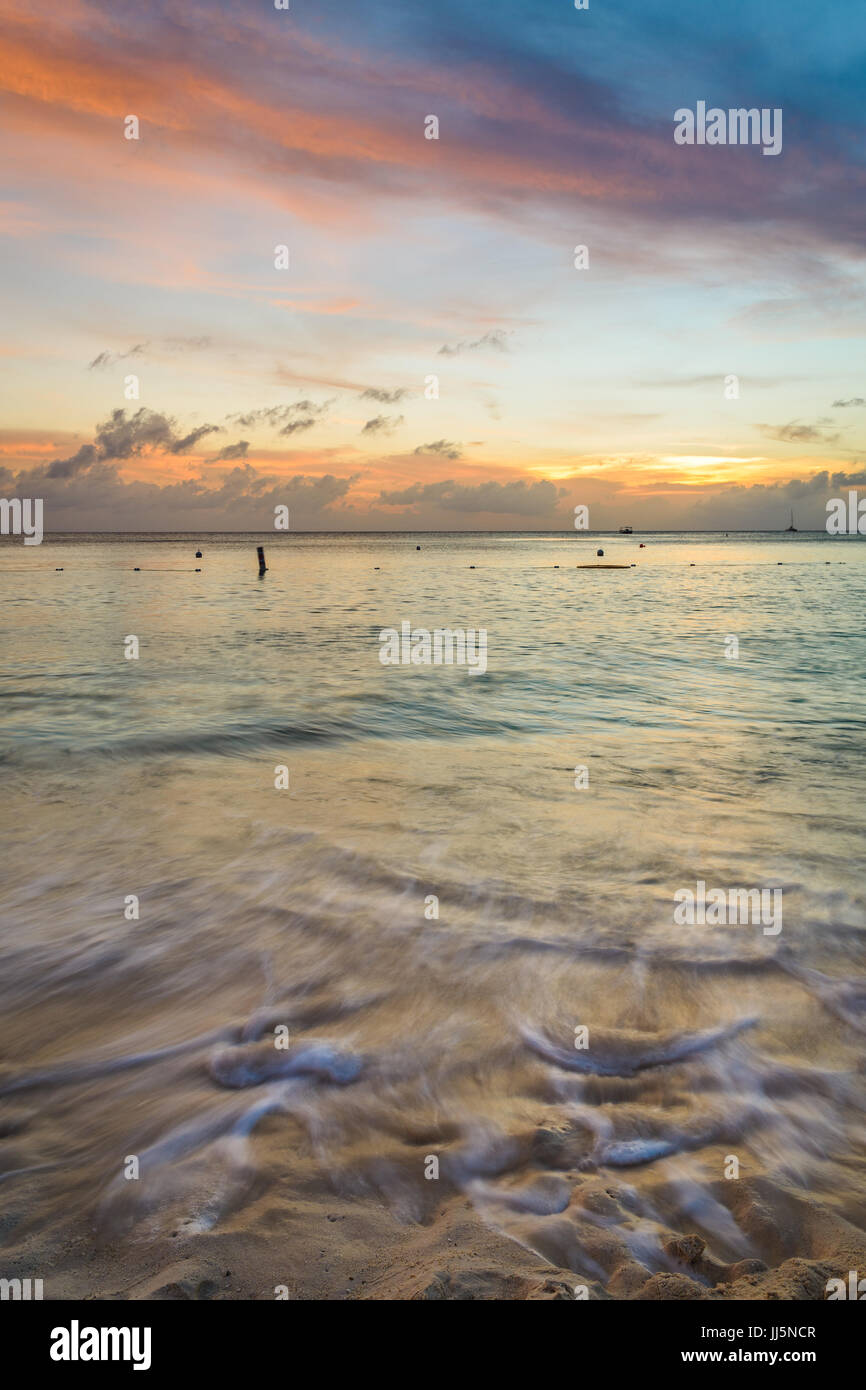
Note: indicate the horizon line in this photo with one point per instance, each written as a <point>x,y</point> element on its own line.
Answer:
<point>440,531</point>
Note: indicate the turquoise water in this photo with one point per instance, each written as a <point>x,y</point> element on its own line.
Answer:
<point>156,777</point>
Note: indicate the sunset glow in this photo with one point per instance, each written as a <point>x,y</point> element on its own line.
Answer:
<point>412,257</point>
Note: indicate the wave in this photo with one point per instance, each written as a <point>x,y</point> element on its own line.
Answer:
<point>236,740</point>
<point>624,1054</point>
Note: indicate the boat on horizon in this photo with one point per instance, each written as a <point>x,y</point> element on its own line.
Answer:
<point>792,527</point>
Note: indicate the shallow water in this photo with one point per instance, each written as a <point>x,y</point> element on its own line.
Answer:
<point>412,1035</point>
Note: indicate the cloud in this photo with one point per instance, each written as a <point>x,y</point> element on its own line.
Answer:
<point>309,407</point>
<point>753,507</point>
<point>384,397</point>
<point>122,437</point>
<point>182,446</point>
<point>383,424</point>
<point>444,447</point>
<point>67,468</point>
<point>518,497</point>
<point>848,479</point>
<point>232,451</point>
<point>497,338</point>
<point>293,418</point>
<point>798,434</point>
<point>535,120</point>
<point>108,359</point>
<point>855,400</point>
<point>98,498</point>
<point>296,426</point>
<point>271,415</point>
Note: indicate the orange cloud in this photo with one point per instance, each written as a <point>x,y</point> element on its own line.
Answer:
<point>206,113</point>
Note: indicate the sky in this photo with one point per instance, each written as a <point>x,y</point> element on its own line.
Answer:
<point>430,357</point>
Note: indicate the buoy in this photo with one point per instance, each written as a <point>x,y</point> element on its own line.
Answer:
<point>599,552</point>
<point>198,554</point>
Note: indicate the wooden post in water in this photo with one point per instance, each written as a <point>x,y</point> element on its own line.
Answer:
<point>262,565</point>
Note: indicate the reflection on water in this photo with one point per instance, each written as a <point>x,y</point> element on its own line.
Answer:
<point>432,909</point>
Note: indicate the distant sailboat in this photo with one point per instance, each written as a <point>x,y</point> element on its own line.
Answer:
<point>625,530</point>
<point>792,527</point>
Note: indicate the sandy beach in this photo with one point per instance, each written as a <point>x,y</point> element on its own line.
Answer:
<point>424,1025</point>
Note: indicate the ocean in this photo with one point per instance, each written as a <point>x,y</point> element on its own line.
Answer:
<point>284,924</point>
